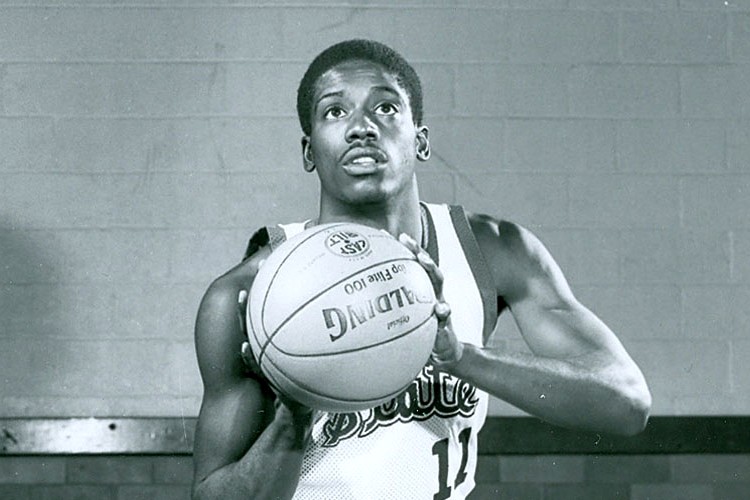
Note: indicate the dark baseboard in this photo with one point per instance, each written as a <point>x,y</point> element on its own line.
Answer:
<point>500,436</point>
<point>663,435</point>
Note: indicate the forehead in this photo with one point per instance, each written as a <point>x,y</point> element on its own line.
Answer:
<point>357,75</point>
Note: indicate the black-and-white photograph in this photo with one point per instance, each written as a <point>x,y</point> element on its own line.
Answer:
<point>374,249</point>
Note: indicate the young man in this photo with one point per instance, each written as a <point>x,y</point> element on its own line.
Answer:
<point>360,107</point>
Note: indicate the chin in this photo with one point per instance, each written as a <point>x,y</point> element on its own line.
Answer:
<point>366,191</point>
<point>369,191</point>
<point>367,198</point>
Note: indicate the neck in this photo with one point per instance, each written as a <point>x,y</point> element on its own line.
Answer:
<point>396,215</point>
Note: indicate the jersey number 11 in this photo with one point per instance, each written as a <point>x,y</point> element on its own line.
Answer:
<point>440,449</point>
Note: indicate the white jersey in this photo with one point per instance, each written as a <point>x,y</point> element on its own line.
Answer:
<point>423,443</point>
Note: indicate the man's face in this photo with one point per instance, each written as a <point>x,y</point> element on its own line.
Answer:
<point>363,140</point>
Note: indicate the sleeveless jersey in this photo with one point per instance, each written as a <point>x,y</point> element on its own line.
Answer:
<point>423,443</point>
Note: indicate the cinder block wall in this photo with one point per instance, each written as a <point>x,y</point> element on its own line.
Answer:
<point>142,142</point>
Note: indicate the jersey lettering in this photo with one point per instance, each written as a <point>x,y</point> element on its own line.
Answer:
<point>432,393</point>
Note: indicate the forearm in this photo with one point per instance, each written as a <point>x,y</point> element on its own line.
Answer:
<point>585,393</point>
<point>269,469</point>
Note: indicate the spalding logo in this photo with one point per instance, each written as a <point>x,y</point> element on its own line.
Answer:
<point>347,243</point>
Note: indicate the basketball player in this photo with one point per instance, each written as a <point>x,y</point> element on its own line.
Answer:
<point>360,108</point>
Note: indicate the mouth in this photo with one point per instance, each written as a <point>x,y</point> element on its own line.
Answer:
<point>363,160</point>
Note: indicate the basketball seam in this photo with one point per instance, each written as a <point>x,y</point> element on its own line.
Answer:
<point>261,320</point>
<point>296,311</point>
<point>316,392</point>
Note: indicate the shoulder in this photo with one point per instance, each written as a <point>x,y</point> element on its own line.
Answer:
<point>218,329</point>
<point>514,254</point>
<point>223,291</point>
<point>500,238</point>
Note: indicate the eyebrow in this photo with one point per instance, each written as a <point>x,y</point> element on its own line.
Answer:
<point>387,88</point>
<point>339,93</point>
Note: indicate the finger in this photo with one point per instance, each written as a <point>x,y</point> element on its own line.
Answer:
<point>249,359</point>
<point>247,355</point>
<point>242,311</point>
<point>442,313</point>
<point>409,243</point>
<point>433,271</point>
<point>426,261</point>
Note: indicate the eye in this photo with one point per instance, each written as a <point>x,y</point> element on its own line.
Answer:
<point>386,108</point>
<point>334,113</point>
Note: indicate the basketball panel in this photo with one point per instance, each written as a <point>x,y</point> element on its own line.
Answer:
<point>361,375</point>
<point>367,309</point>
<point>307,397</point>
<point>313,261</point>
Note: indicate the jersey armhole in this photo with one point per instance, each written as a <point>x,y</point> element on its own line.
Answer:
<point>491,303</point>
<point>272,236</point>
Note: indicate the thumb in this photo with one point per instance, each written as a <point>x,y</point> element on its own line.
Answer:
<point>442,313</point>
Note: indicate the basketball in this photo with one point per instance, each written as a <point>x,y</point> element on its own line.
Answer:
<point>341,317</point>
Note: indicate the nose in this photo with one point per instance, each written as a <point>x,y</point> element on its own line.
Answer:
<point>361,128</point>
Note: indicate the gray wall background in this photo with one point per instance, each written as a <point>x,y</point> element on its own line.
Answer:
<point>143,141</point>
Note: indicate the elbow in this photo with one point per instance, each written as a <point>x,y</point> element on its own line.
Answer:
<point>643,408</point>
<point>197,492</point>
<point>639,413</point>
<point>202,489</point>
<point>636,408</point>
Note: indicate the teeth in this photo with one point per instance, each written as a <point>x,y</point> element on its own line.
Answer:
<point>363,159</point>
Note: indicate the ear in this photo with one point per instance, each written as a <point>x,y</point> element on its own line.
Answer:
<point>308,163</point>
<point>423,143</point>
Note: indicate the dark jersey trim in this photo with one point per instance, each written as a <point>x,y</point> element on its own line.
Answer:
<point>432,241</point>
<point>268,235</point>
<point>492,305</point>
<point>479,268</point>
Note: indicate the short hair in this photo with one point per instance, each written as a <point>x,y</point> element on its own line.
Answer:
<point>358,49</point>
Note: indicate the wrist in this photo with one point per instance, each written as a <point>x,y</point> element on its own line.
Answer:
<point>450,358</point>
<point>294,414</point>
<point>294,423</point>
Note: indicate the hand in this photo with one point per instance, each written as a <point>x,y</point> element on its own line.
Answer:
<point>247,355</point>
<point>447,350</point>
<point>252,365</point>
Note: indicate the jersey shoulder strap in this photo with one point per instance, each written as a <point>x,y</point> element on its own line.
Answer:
<point>273,236</point>
<point>478,266</point>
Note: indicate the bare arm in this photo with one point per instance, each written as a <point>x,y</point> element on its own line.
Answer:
<point>578,373</point>
<point>246,446</point>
